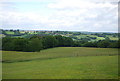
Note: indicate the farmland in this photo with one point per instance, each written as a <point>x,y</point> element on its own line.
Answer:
<point>89,36</point>
<point>62,63</point>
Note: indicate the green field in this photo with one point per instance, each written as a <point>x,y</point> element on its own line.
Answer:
<point>77,36</point>
<point>9,32</point>
<point>62,63</point>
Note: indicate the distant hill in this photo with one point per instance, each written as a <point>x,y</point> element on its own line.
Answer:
<point>75,35</point>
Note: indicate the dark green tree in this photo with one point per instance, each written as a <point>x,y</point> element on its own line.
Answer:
<point>49,41</point>
<point>34,44</point>
<point>19,44</point>
<point>60,40</point>
<point>103,44</point>
<point>89,44</point>
<point>68,41</point>
<point>7,44</point>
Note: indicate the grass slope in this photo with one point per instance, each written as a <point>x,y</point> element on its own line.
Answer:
<point>62,63</point>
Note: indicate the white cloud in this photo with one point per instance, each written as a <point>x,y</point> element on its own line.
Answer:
<point>79,4</point>
<point>96,16</point>
<point>68,15</point>
<point>22,0</point>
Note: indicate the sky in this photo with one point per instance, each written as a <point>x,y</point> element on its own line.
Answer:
<point>63,15</point>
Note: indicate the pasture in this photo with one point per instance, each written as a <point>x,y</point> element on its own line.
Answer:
<point>9,32</point>
<point>61,63</point>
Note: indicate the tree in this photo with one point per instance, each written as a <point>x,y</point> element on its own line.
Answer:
<point>113,45</point>
<point>60,40</point>
<point>17,32</point>
<point>35,36</point>
<point>34,44</point>
<point>64,41</point>
<point>68,41</point>
<point>103,44</point>
<point>77,44</point>
<point>119,43</point>
<point>89,44</point>
<point>7,44</point>
<point>49,41</point>
<point>107,38</point>
<point>19,44</point>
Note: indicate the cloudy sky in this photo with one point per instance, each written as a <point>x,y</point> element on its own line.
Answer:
<point>66,15</point>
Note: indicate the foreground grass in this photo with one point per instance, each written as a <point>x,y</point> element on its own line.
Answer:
<point>62,63</point>
<point>60,52</point>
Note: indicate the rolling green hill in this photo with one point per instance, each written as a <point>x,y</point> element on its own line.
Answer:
<point>62,63</point>
<point>90,36</point>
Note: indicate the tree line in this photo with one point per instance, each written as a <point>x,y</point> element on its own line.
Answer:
<point>99,44</point>
<point>37,43</point>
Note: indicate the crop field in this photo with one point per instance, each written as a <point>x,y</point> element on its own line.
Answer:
<point>9,32</point>
<point>97,38</point>
<point>61,63</point>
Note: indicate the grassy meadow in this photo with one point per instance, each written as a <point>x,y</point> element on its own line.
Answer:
<point>61,63</point>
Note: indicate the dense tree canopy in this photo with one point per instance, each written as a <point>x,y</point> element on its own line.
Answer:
<point>49,41</point>
<point>37,43</point>
<point>34,44</point>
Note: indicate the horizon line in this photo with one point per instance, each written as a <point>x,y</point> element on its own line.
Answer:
<point>63,30</point>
